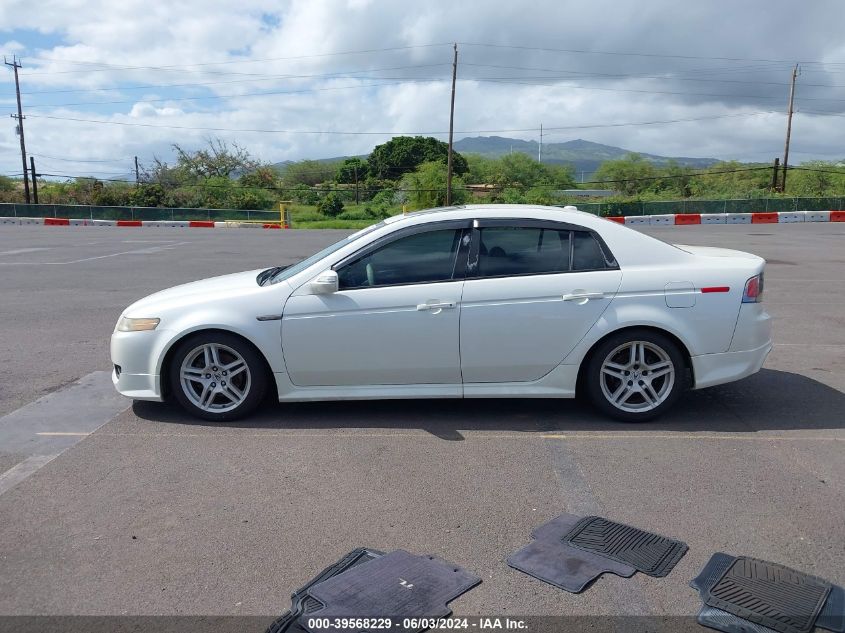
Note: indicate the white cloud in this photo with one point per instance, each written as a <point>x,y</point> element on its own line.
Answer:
<point>142,43</point>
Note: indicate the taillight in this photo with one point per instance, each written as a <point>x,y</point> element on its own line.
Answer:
<point>753,292</point>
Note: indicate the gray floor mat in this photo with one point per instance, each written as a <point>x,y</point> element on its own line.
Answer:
<point>647,552</point>
<point>784,618</point>
<point>397,585</point>
<point>551,560</point>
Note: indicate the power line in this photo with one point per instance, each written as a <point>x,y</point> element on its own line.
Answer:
<point>235,81</point>
<point>108,67</point>
<point>385,133</point>
<point>635,54</point>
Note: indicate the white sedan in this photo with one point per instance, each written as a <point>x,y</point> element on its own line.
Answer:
<point>488,301</point>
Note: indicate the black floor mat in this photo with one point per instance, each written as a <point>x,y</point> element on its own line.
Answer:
<point>397,585</point>
<point>649,553</point>
<point>302,603</point>
<point>551,560</point>
<point>746,595</point>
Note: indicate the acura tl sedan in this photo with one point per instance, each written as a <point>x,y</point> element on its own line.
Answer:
<point>486,301</point>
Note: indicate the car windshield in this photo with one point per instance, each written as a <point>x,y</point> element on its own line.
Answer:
<point>290,271</point>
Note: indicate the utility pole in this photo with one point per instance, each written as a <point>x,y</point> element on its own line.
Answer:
<point>775,174</point>
<point>451,129</point>
<point>137,172</point>
<point>15,65</point>
<point>34,181</point>
<point>795,72</point>
<point>540,147</point>
<point>357,196</point>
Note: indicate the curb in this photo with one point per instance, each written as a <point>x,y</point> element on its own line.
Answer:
<point>193,224</point>
<point>667,219</point>
<point>689,219</point>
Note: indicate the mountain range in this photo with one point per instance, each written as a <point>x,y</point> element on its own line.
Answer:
<point>584,156</point>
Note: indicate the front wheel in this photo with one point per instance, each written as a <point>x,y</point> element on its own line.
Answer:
<point>217,376</point>
<point>636,375</point>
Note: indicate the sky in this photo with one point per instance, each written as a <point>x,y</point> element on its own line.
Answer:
<point>103,81</point>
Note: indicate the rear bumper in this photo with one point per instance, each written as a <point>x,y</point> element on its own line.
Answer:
<point>716,369</point>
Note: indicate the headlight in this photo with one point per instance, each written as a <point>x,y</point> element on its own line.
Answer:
<point>136,325</point>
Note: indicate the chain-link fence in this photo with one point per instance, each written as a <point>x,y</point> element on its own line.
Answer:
<point>746,205</point>
<point>84,211</point>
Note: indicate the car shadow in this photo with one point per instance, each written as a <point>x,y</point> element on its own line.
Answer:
<point>769,400</point>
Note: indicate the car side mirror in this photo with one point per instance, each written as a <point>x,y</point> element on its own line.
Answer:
<point>325,283</point>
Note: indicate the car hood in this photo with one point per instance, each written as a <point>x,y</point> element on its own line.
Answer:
<point>230,287</point>
<point>714,251</point>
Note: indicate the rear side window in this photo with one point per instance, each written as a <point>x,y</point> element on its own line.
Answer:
<point>588,254</point>
<point>418,258</point>
<point>514,250</point>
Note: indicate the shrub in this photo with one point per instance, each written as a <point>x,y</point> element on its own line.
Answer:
<point>331,205</point>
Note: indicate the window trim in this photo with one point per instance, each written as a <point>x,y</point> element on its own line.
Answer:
<point>459,267</point>
<point>530,223</point>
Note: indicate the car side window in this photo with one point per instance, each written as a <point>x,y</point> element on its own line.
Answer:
<point>588,254</point>
<point>418,258</point>
<point>516,250</point>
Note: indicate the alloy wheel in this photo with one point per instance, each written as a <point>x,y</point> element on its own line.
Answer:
<point>637,376</point>
<point>215,377</point>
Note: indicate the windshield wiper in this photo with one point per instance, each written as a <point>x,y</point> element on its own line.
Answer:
<point>265,275</point>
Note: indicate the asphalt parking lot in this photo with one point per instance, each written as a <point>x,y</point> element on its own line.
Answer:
<point>137,509</point>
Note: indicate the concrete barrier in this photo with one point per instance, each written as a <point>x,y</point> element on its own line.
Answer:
<point>81,222</point>
<point>171,224</point>
<point>837,216</point>
<point>619,219</point>
<point>637,219</point>
<point>816,216</point>
<point>56,222</point>
<point>738,218</point>
<point>16,221</point>
<point>764,218</point>
<point>104,222</point>
<point>684,219</point>
<point>714,218</point>
<point>791,216</point>
<point>664,219</point>
<point>201,224</point>
<point>25,221</point>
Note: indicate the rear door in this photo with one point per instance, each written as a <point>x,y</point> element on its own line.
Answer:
<point>533,290</point>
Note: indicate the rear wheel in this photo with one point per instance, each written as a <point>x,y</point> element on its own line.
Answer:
<point>217,376</point>
<point>636,375</point>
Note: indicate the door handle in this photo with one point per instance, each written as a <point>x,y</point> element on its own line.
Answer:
<point>436,305</point>
<point>583,297</point>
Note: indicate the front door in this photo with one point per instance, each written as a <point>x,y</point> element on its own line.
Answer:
<point>394,320</point>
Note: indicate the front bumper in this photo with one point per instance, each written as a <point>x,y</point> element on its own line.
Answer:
<point>136,354</point>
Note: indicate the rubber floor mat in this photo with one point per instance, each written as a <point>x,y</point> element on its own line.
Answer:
<point>397,585</point>
<point>747,595</point>
<point>551,560</point>
<point>302,603</point>
<point>649,553</point>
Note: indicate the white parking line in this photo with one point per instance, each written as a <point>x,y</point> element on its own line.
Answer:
<point>21,251</point>
<point>141,251</point>
<point>44,429</point>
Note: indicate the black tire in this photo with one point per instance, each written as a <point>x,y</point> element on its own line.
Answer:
<point>252,384</point>
<point>655,342</point>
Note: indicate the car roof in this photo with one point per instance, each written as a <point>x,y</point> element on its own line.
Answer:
<point>473,211</point>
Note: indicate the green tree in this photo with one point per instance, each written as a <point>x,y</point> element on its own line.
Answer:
<point>218,159</point>
<point>352,170</point>
<point>331,205</point>
<point>403,154</point>
<point>307,172</point>
<point>427,186</point>
<point>631,175</point>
